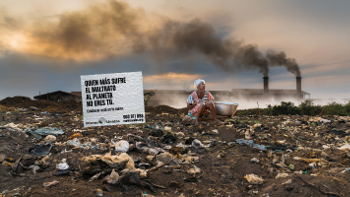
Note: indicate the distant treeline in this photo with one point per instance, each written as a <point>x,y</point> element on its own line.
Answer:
<point>306,107</point>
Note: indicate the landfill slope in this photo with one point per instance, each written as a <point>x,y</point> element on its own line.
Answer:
<point>247,156</point>
<point>50,106</point>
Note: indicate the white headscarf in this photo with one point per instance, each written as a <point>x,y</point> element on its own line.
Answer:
<point>197,82</point>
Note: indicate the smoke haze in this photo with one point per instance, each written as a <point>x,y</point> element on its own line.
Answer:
<point>245,102</point>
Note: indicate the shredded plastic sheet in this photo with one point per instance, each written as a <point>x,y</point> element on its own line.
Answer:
<point>39,133</point>
<point>346,146</point>
<point>87,145</point>
<point>250,143</point>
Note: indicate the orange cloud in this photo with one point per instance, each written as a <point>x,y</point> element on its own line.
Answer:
<point>171,77</point>
<point>173,81</point>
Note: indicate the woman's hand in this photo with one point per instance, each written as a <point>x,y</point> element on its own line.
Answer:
<point>190,105</point>
<point>207,104</point>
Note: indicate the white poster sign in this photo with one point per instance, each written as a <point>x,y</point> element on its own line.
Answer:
<point>112,99</point>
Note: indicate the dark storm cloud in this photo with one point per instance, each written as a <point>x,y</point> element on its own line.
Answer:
<point>88,34</point>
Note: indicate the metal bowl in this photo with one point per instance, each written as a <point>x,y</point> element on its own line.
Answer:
<point>225,108</point>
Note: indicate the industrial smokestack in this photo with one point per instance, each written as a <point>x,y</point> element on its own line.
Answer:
<point>266,85</point>
<point>299,95</point>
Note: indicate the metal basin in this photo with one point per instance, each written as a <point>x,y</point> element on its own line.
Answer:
<point>225,108</point>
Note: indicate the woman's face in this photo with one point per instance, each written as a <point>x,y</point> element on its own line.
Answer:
<point>201,87</point>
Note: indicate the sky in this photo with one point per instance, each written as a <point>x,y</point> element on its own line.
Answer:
<point>47,45</point>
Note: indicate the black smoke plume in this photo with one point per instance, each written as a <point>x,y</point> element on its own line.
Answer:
<point>201,37</point>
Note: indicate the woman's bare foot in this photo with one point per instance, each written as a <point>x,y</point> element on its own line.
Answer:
<point>218,121</point>
<point>196,123</point>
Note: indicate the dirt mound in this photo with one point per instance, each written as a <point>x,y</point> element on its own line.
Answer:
<point>14,101</point>
<point>166,109</point>
<point>183,110</point>
<point>148,108</point>
<point>25,102</point>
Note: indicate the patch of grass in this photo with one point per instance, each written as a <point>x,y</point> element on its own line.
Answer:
<point>308,108</point>
<point>257,122</point>
<point>147,96</point>
<point>347,108</point>
<point>284,109</point>
<point>247,112</point>
<point>15,113</point>
<point>336,109</point>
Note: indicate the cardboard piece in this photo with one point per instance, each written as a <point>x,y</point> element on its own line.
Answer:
<point>112,99</point>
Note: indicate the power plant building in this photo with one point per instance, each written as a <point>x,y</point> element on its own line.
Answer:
<point>277,94</point>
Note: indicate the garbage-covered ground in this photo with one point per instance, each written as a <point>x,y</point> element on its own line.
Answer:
<point>46,151</point>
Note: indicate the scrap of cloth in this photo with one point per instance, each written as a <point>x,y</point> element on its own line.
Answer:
<point>193,99</point>
<point>197,82</point>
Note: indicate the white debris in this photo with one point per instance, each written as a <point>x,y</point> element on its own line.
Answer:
<point>257,125</point>
<point>78,130</point>
<point>15,127</point>
<point>197,144</point>
<point>296,158</point>
<point>49,138</point>
<point>254,160</point>
<point>143,173</point>
<point>194,170</point>
<point>282,175</point>
<point>99,192</point>
<point>346,170</point>
<point>48,184</point>
<point>152,151</point>
<point>167,128</point>
<point>289,181</point>
<point>164,157</point>
<point>346,146</point>
<point>150,157</point>
<point>325,121</point>
<point>281,141</point>
<point>95,177</point>
<point>35,168</point>
<point>112,178</point>
<point>313,165</point>
<point>63,165</point>
<point>121,146</point>
<point>315,119</point>
<point>180,134</point>
<point>254,179</point>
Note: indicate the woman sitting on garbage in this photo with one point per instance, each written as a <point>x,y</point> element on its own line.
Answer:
<point>200,102</point>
